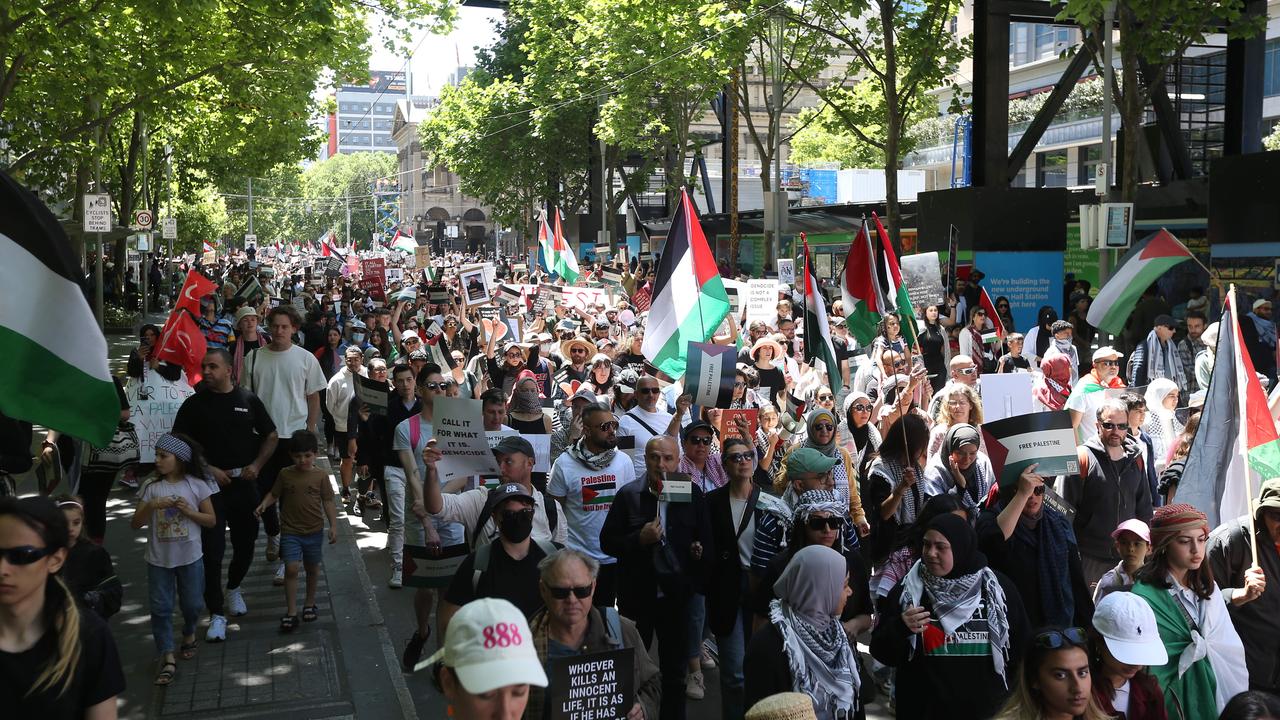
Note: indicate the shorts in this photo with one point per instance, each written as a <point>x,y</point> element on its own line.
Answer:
<point>307,548</point>
<point>341,438</point>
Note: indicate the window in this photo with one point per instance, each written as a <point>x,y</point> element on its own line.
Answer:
<point>1051,169</point>
<point>1090,156</point>
<point>1271,69</point>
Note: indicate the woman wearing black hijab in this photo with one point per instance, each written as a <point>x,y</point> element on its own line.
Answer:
<point>1040,339</point>
<point>955,628</point>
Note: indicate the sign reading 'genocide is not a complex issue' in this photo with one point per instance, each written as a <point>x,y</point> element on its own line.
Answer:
<point>599,686</point>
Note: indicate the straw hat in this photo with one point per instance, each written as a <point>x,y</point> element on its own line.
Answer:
<point>582,342</point>
<point>783,706</point>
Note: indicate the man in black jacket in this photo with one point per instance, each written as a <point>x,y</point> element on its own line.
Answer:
<point>660,547</point>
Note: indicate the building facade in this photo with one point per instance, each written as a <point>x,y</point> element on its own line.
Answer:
<point>363,118</point>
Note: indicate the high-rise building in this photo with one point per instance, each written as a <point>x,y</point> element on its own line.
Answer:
<point>363,120</point>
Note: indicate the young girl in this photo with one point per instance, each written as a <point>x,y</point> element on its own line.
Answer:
<point>88,572</point>
<point>174,504</point>
<point>55,661</point>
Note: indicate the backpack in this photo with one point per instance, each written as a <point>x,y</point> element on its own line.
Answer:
<point>485,551</point>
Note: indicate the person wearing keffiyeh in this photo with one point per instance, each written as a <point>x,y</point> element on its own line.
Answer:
<point>954,628</point>
<point>960,468</point>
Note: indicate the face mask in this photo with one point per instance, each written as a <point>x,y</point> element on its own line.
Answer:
<point>517,529</point>
<point>1062,345</point>
<point>358,337</point>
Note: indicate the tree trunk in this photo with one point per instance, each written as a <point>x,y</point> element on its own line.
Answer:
<point>893,125</point>
<point>127,199</point>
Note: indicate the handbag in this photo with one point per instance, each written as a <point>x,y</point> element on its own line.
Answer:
<point>120,453</point>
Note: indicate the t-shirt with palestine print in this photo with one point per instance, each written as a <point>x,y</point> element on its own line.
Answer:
<point>588,494</point>
<point>969,640</point>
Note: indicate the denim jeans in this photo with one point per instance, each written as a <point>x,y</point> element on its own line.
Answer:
<point>697,624</point>
<point>394,482</point>
<point>733,648</point>
<point>187,583</point>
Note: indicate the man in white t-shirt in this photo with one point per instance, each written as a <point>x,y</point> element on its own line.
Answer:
<point>584,481</point>
<point>645,421</point>
<point>288,380</point>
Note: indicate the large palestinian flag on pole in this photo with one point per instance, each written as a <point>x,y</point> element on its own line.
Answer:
<point>1236,446</point>
<point>563,261</point>
<point>689,299</point>
<point>53,370</point>
<point>1141,266</point>
<point>817,334</point>
<point>871,286</point>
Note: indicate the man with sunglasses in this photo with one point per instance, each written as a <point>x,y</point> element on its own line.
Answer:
<point>505,567</point>
<point>572,625</point>
<point>645,421</point>
<point>1088,393</point>
<point>1111,488</point>
<point>585,480</point>
<point>962,370</point>
<point>660,545</point>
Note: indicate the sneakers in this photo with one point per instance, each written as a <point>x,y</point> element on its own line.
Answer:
<point>708,660</point>
<point>129,479</point>
<point>413,651</point>
<point>694,686</point>
<point>372,500</point>
<point>397,576</point>
<point>235,601</point>
<point>217,629</point>
<point>346,494</point>
<point>273,547</point>
<point>278,580</point>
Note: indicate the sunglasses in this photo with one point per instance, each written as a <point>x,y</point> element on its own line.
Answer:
<point>648,391</point>
<point>607,425</point>
<point>562,593</point>
<point>1105,362</point>
<point>823,427</point>
<point>434,386</point>
<point>510,515</point>
<point>1114,426</point>
<point>699,439</point>
<point>739,384</point>
<point>968,371</point>
<point>859,407</point>
<point>825,398</point>
<point>25,554</point>
<point>825,523</point>
<point>740,457</point>
<point>1058,639</point>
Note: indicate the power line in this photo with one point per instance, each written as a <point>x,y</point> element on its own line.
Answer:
<point>403,68</point>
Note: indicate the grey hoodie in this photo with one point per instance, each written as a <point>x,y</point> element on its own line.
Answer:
<point>1110,492</point>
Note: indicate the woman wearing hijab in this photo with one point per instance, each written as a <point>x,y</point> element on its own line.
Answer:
<point>1206,665</point>
<point>892,489</point>
<point>804,648</point>
<point>953,627</point>
<point>1040,339</point>
<point>1033,543</point>
<point>960,468</point>
<point>524,408</point>
<point>1052,387</point>
<point>821,436</point>
<point>860,439</point>
<point>1162,424</point>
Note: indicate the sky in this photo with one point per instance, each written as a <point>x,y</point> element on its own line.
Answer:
<point>437,56</point>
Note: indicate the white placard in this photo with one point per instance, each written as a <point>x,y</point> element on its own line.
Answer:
<point>787,271</point>
<point>762,300</point>
<point>460,437</point>
<point>1005,395</point>
<point>97,213</point>
<point>153,405</point>
<point>541,447</point>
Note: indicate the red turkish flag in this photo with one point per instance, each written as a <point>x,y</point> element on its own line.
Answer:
<point>194,287</point>
<point>182,344</point>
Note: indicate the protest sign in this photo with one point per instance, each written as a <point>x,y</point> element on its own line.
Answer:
<point>507,295</point>
<point>423,570</point>
<point>1043,438</point>
<point>729,424</point>
<point>786,271</point>
<point>762,300</point>
<point>438,294</point>
<point>541,446</point>
<point>422,257</point>
<point>372,393</point>
<point>610,277</point>
<point>1005,395</point>
<point>460,437</point>
<point>395,274</point>
<point>591,687</point>
<point>475,285</point>
<point>153,404</point>
<point>676,487</point>
<point>923,277</point>
<point>333,267</point>
<point>709,374</point>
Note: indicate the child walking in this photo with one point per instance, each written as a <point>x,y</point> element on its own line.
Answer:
<point>307,497</point>
<point>88,571</point>
<point>175,505</point>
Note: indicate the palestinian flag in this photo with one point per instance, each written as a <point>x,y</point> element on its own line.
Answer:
<point>544,242</point>
<point>689,299</point>
<point>563,261</point>
<point>598,492</point>
<point>871,287</point>
<point>424,570</point>
<point>1141,266</point>
<point>1237,444</point>
<point>403,243</point>
<point>209,247</point>
<point>997,331</point>
<point>817,334</point>
<point>54,365</point>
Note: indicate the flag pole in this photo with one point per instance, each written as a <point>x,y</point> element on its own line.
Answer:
<point>1242,437</point>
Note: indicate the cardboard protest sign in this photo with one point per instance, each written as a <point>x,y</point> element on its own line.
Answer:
<point>786,271</point>
<point>372,393</point>
<point>395,274</point>
<point>590,687</point>
<point>460,437</point>
<point>762,300</point>
<point>710,373</point>
<point>422,570</point>
<point>153,405</point>
<point>923,277</point>
<point>729,425</point>
<point>1005,395</point>
<point>421,257</point>
<point>475,285</point>
<point>1043,438</point>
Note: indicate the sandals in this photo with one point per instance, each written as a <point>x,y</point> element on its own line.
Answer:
<point>167,671</point>
<point>310,613</point>
<point>288,623</point>
<point>188,650</point>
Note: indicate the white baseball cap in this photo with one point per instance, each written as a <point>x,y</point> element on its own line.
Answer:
<point>488,645</point>
<point>1128,626</point>
<point>1106,352</point>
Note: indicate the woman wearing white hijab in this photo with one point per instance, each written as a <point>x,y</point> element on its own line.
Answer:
<point>1162,424</point>
<point>804,647</point>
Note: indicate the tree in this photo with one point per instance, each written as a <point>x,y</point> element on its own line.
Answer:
<point>1153,34</point>
<point>903,50</point>
<point>820,137</point>
<point>1272,141</point>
